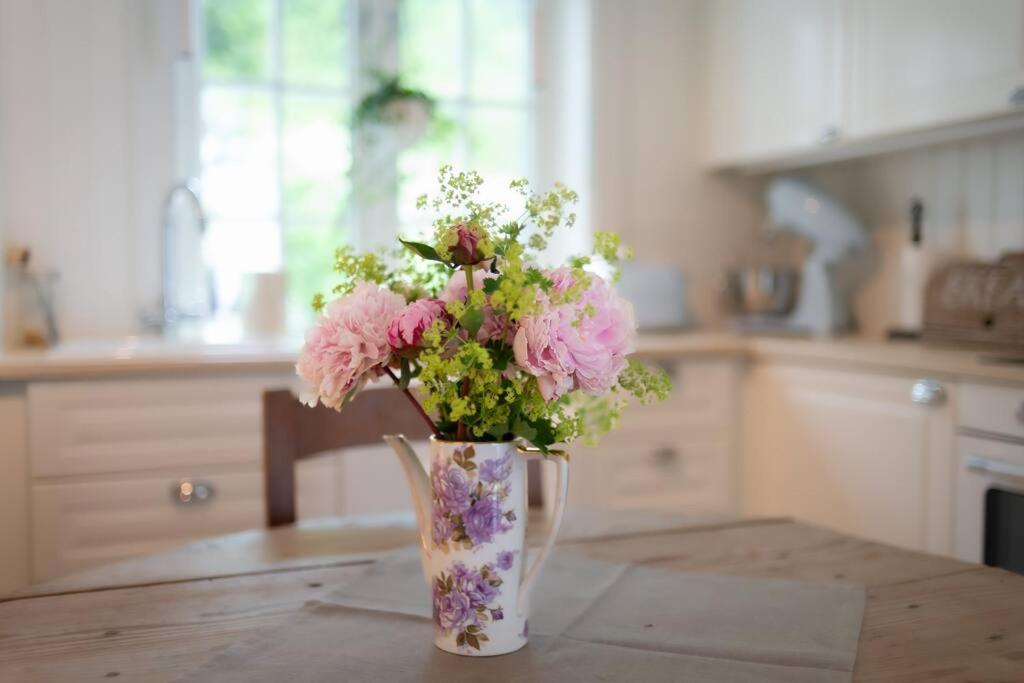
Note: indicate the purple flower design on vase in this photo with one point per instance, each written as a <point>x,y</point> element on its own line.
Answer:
<point>468,499</point>
<point>505,559</point>
<point>484,520</point>
<point>496,471</point>
<point>463,602</point>
<point>451,488</point>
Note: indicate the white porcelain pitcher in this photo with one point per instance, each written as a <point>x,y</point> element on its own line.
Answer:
<point>471,510</point>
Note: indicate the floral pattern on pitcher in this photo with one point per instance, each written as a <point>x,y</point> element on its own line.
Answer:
<point>464,600</point>
<point>468,500</point>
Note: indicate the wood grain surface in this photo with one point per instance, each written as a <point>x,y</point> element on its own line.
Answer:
<point>927,618</point>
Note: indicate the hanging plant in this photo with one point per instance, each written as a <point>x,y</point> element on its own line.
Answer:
<point>395,106</point>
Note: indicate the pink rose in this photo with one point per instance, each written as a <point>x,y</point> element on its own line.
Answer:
<point>578,345</point>
<point>456,290</point>
<point>465,252</point>
<point>407,327</point>
<point>348,341</point>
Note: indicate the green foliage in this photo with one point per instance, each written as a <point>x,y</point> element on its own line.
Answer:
<point>236,38</point>
<point>468,382</point>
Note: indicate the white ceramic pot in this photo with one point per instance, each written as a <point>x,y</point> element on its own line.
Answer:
<point>472,514</point>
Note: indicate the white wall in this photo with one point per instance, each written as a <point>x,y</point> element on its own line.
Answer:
<point>87,149</point>
<point>648,120</point>
<point>973,195</point>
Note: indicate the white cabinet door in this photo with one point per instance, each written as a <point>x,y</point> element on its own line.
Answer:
<point>920,63</point>
<point>678,456</point>
<point>14,496</point>
<point>851,452</point>
<point>775,76</point>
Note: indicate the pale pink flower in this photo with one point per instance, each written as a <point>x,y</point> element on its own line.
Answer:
<point>348,344</point>
<point>456,290</point>
<point>407,327</point>
<point>577,345</point>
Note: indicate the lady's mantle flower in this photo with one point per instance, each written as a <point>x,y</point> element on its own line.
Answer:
<point>348,342</point>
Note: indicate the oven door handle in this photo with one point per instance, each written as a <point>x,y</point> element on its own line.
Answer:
<point>979,463</point>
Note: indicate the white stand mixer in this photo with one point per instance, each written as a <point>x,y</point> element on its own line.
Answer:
<point>838,238</point>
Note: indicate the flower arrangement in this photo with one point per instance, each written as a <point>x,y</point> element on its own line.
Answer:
<point>500,347</point>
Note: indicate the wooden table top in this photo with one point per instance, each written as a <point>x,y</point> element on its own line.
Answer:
<point>927,618</point>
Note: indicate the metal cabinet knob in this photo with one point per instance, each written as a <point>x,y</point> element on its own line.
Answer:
<point>188,492</point>
<point>829,134</point>
<point>665,456</point>
<point>1019,414</point>
<point>1017,96</point>
<point>928,392</point>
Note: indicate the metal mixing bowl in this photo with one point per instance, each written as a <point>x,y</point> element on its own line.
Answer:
<point>763,290</point>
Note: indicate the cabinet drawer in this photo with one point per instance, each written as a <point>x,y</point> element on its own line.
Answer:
<point>998,410</point>
<point>132,425</point>
<point>84,524</point>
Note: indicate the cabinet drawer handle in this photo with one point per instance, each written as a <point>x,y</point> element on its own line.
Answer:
<point>828,135</point>
<point>979,463</point>
<point>188,492</point>
<point>928,392</point>
<point>666,457</point>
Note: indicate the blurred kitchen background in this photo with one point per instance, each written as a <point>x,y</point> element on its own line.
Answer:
<point>824,197</point>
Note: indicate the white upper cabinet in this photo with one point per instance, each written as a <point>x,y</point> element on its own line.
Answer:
<point>774,76</point>
<point>920,63</point>
<point>797,82</point>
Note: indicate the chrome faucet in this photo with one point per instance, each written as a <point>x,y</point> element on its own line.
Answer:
<point>168,311</point>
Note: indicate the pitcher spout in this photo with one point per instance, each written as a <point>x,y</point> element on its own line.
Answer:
<point>419,489</point>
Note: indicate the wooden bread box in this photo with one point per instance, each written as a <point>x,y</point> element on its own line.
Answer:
<point>977,303</point>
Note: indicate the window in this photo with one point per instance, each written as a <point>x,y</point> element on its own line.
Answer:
<point>278,82</point>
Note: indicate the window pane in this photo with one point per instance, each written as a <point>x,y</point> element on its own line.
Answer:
<point>237,248</point>
<point>501,49</point>
<point>498,141</point>
<point>315,42</point>
<point>429,43</point>
<point>237,153</point>
<point>316,159</point>
<point>237,38</point>
<point>309,255</point>
<point>417,172</point>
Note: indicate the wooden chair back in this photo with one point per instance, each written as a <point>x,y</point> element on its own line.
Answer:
<point>293,431</point>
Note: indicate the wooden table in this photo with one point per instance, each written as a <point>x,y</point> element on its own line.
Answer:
<point>927,618</point>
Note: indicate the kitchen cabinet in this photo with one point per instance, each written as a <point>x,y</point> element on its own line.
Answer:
<point>920,63</point>
<point>109,457</point>
<point>799,82</point>
<point>774,76</point>
<point>14,505</point>
<point>867,454</point>
<point>677,456</point>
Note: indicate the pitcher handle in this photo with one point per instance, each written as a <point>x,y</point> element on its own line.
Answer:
<point>561,460</point>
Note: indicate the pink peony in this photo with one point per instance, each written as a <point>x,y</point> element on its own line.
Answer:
<point>407,327</point>
<point>456,290</point>
<point>348,342</point>
<point>578,345</point>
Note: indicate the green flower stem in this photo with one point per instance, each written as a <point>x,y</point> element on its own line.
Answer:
<point>414,402</point>
<point>460,428</point>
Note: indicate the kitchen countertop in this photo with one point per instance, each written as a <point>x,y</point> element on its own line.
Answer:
<point>147,356</point>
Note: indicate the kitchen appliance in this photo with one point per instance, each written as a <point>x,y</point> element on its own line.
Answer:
<point>839,247</point>
<point>761,290</point>
<point>658,295</point>
<point>989,524</point>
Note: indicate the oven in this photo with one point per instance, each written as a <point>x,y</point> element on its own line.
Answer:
<point>990,502</point>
